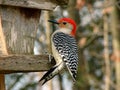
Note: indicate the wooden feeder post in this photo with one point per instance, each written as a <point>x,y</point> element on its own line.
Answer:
<point>3,51</point>
<point>19,20</point>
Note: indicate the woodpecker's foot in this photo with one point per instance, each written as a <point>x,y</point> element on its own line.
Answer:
<point>51,59</point>
<point>49,56</point>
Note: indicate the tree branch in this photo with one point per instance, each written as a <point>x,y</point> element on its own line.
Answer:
<point>90,41</point>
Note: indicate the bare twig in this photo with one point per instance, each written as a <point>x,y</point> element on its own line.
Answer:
<point>90,41</point>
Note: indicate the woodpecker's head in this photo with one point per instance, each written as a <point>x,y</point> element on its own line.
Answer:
<point>67,23</point>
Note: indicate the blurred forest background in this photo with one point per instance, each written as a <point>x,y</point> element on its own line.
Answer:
<point>98,38</point>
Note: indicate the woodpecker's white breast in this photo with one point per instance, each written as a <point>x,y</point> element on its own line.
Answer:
<point>55,52</point>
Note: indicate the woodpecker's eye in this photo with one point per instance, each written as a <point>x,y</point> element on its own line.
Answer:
<point>64,23</point>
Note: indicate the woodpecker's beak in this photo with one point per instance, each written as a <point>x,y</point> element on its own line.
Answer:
<point>53,21</point>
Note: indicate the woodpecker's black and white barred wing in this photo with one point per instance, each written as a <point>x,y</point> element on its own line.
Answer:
<point>67,48</point>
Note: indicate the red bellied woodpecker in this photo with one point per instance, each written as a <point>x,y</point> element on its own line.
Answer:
<point>64,49</point>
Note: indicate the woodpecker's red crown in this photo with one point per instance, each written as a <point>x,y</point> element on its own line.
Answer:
<point>71,21</point>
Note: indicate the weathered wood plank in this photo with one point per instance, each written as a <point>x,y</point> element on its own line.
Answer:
<point>3,51</point>
<point>19,24</point>
<point>38,4</point>
<point>24,63</point>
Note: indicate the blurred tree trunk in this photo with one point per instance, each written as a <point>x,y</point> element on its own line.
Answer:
<point>48,40</point>
<point>73,11</point>
<point>106,53</point>
<point>48,30</point>
<point>81,83</point>
<point>60,82</point>
<point>115,16</point>
<point>47,15</point>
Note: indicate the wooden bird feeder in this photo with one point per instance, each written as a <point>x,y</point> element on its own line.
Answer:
<point>20,18</point>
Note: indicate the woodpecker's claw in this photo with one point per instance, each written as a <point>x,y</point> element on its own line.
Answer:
<point>49,57</point>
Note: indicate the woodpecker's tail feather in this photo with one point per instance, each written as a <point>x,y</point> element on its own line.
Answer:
<point>49,75</point>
